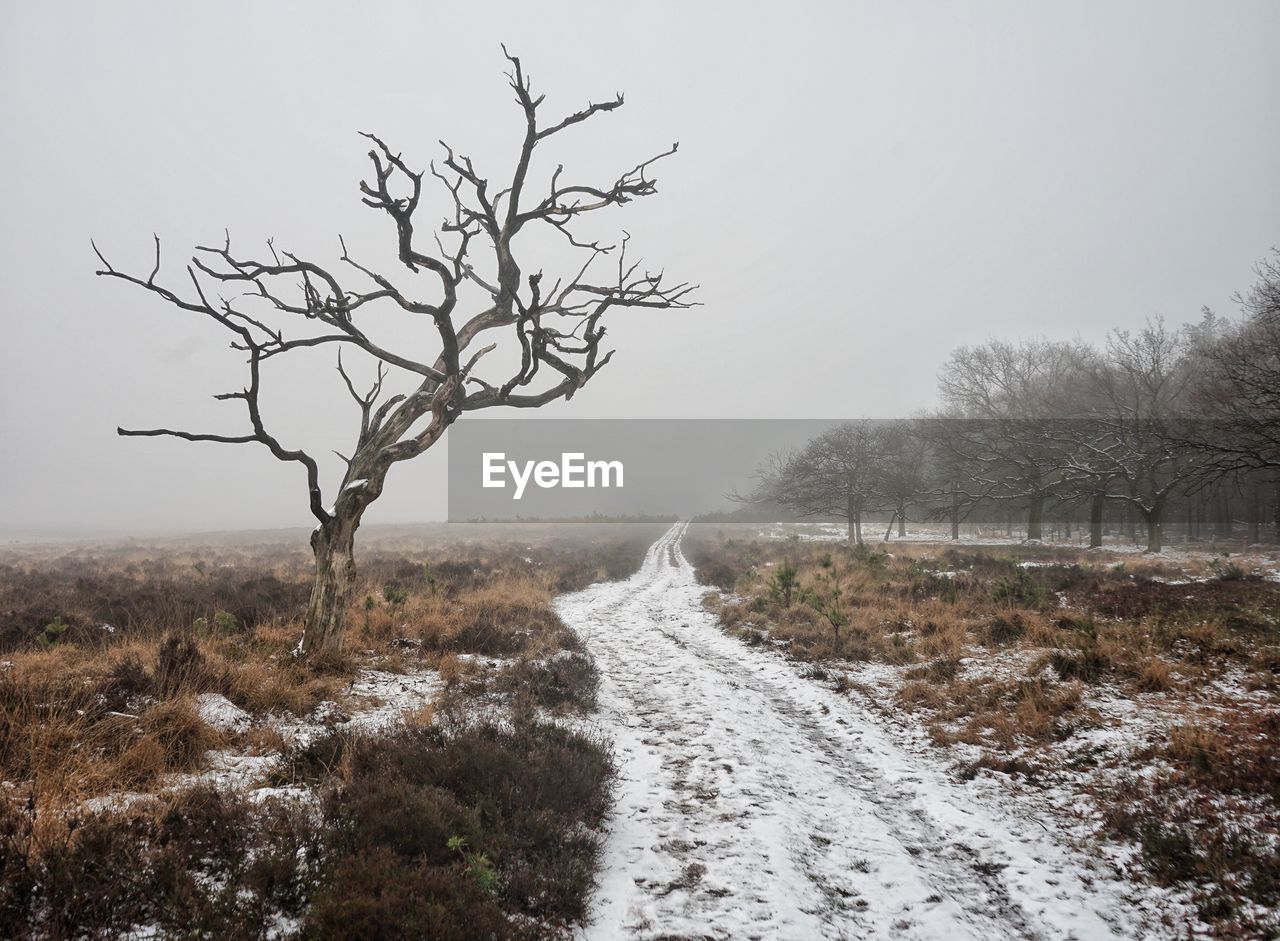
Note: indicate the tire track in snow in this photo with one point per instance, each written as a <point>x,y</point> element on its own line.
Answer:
<point>754,804</point>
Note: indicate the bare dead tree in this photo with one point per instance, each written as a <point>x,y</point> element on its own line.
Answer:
<point>1000,396</point>
<point>901,468</point>
<point>835,474</point>
<point>1237,390</point>
<point>1133,448</point>
<point>557,325</point>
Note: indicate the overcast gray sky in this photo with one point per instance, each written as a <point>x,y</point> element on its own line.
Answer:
<point>859,189</point>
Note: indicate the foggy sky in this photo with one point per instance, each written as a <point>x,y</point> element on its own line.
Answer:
<point>859,189</point>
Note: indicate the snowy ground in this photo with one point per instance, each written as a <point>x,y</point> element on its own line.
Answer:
<point>376,702</point>
<point>753,804</point>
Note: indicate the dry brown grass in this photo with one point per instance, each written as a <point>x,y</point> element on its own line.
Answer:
<point>1089,618</point>
<point>79,722</point>
<point>1014,664</point>
<point>96,712</point>
<point>102,710</point>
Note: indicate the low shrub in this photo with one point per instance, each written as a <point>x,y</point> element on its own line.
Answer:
<point>1020,589</point>
<point>183,737</point>
<point>1087,664</point>
<point>493,625</point>
<point>204,864</point>
<point>565,681</point>
<point>528,798</point>
<point>373,893</point>
<point>1003,629</point>
<point>180,666</point>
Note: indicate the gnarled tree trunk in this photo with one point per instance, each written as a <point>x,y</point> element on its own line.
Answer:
<point>955,513</point>
<point>333,545</point>
<point>1096,506</point>
<point>853,510</point>
<point>1276,508</point>
<point>1253,507</point>
<point>1152,518</point>
<point>1035,518</point>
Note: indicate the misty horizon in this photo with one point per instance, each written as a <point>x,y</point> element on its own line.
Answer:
<point>858,191</point>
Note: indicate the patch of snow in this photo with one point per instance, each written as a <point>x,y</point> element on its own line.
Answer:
<point>117,800</point>
<point>291,793</point>
<point>395,695</point>
<point>481,660</point>
<point>227,770</point>
<point>221,713</point>
<point>376,703</point>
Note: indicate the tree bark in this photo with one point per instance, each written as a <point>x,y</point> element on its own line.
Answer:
<point>902,519</point>
<point>333,545</point>
<point>1254,514</point>
<point>1096,507</point>
<point>1035,518</point>
<point>1152,518</point>
<point>955,515</point>
<point>1276,509</point>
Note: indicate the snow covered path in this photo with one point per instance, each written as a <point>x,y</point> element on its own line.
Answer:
<point>754,804</point>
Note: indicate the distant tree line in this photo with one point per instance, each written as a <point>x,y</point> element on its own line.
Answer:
<point>1155,431</point>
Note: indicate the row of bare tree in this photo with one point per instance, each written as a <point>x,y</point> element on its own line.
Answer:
<point>1150,423</point>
